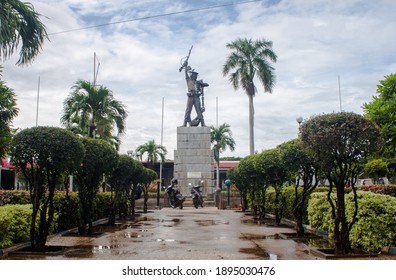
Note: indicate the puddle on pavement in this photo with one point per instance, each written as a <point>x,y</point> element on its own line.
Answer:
<point>317,243</point>
<point>165,240</point>
<point>207,222</point>
<point>250,236</point>
<point>173,222</point>
<point>263,222</point>
<point>256,252</point>
<point>89,251</point>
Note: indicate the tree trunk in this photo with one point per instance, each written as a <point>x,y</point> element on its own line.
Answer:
<point>341,233</point>
<point>278,215</point>
<point>218,175</point>
<point>251,123</point>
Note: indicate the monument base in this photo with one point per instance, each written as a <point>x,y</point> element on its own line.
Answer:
<point>193,159</point>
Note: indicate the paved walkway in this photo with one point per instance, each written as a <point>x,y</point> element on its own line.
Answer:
<point>174,234</point>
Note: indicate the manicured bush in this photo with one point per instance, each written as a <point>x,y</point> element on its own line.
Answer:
<point>14,197</point>
<point>376,225</point>
<point>285,201</point>
<point>67,209</point>
<point>319,212</point>
<point>14,224</point>
<point>102,205</point>
<point>15,219</point>
<point>381,189</point>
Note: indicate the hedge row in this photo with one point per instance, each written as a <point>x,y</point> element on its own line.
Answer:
<point>15,218</point>
<point>376,225</point>
<point>380,189</point>
<point>14,224</point>
<point>14,197</point>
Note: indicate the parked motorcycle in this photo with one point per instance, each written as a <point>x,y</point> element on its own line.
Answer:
<point>196,194</point>
<point>176,199</point>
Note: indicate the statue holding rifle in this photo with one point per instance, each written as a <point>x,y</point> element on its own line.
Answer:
<point>194,95</point>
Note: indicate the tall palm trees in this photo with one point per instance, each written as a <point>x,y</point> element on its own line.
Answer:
<point>249,58</point>
<point>94,111</point>
<point>153,151</point>
<point>19,22</point>
<point>221,138</point>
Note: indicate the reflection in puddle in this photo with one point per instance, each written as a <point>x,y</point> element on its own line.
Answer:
<point>258,252</point>
<point>259,237</point>
<point>317,243</point>
<point>164,240</point>
<point>132,235</point>
<point>207,222</point>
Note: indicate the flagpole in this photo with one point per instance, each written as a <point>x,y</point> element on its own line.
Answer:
<point>161,163</point>
<point>38,100</point>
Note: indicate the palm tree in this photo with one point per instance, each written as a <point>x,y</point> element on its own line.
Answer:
<point>19,22</point>
<point>153,151</point>
<point>8,111</point>
<point>221,137</point>
<point>94,110</point>
<point>248,59</point>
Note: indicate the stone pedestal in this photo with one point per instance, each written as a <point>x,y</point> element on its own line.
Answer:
<point>193,159</point>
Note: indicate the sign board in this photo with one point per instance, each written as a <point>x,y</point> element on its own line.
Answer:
<point>194,175</point>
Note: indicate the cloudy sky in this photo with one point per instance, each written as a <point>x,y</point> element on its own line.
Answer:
<point>139,45</point>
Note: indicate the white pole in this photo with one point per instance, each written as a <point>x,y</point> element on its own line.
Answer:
<point>217,111</point>
<point>339,90</point>
<point>38,100</point>
<point>71,183</point>
<point>162,135</point>
<point>162,138</point>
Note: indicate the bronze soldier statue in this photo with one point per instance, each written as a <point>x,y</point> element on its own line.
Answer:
<point>194,95</point>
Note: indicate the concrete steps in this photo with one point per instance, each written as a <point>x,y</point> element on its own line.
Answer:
<point>208,202</point>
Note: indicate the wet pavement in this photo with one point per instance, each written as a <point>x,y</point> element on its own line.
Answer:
<point>174,234</point>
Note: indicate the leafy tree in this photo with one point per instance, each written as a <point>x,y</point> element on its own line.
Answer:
<point>8,111</point>
<point>250,58</point>
<point>137,179</point>
<point>230,158</point>
<point>20,23</point>
<point>43,154</point>
<point>236,178</point>
<point>221,138</point>
<point>153,151</point>
<point>246,180</point>
<point>147,178</point>
<point>376,168</point>
<point>273,171</point>
<point>340,141</point>
<point>305,168</point>
<point>382,111</point>
<point>99,160</point>
<point>94,111</point>
<point>120,182</point>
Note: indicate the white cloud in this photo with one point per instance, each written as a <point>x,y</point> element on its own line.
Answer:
<point>316,41</point>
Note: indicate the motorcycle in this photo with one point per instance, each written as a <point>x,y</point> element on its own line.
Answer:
<point>176,199</point>
<point>196,194</point>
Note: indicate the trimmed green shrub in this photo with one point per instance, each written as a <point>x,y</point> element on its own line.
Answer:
<point>376,225</point>
<point>381,189</point>
<point>15,219</point>
<point>102,205</point>
<point>67,209</point>
<point>14,224</point>
<point>319,212</point>
<point>286,202</point>
<point>14,197</point>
